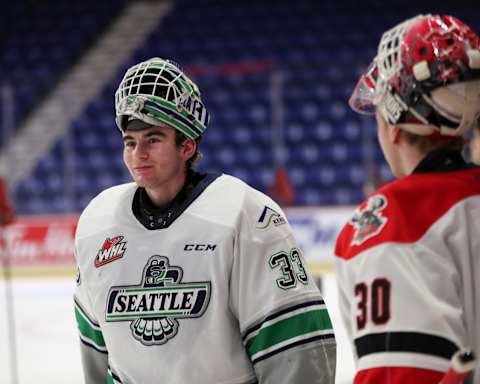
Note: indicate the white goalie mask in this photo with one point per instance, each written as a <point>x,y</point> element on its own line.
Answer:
<point>157,91</point>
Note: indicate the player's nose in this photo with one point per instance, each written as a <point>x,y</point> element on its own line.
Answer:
<point>140,151</point>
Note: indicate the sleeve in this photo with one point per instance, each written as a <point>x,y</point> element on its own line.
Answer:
<point>285,325</point>
<point>403,312</point>
<point>92,344</point>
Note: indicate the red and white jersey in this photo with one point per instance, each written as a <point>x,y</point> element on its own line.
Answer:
<point>408,265</point>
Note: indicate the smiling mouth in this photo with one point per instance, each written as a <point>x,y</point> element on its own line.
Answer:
<point>142,171</point>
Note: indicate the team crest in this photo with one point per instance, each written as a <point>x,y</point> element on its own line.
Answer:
<point>154,306</point>
<point>112,249</point>
<point>269,217</point>
<point>131,105</point>
<point>369,221</point>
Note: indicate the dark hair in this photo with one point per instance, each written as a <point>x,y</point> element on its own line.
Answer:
<point>197,156</point>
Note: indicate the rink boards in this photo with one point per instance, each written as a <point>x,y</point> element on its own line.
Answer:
<point>43,245</point>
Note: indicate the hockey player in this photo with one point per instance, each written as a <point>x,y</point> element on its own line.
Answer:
<point>187,277</point>
<point>408,260</point>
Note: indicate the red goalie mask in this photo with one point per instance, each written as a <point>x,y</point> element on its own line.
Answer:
<point>425,77</point>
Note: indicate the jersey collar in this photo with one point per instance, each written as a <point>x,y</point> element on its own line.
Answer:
<point>153,217</point>
<point>442,160</point>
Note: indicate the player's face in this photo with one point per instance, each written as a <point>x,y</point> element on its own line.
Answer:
<point>153,158</point>
<point>475,146</point>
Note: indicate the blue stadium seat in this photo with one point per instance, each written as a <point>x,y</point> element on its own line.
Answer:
<point>321,48</point>
<point>39,41</point>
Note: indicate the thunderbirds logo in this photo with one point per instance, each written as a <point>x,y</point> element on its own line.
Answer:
<point>368,221</point>
<point>131,105</point>
<point>154,306</point>
<point>112,249</point>
<point>268,217</point>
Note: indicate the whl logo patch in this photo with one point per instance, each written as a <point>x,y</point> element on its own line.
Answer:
<point>269,217</point>
<point>369,221</point>
<point>112,249</point>
<point>154,306</point>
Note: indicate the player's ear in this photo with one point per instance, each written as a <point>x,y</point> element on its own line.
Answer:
<point>394,134</point>
<point>188,148</point>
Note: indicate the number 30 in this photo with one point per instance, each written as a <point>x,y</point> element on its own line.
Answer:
<point>379,302</point>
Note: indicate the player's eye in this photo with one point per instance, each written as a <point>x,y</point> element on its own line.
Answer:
<point>129,144</point>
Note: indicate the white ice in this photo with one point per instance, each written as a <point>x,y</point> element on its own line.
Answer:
<point>47,339</point>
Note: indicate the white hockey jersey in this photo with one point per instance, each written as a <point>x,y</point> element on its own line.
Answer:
<point>222,295</point>
<point>408,266</point>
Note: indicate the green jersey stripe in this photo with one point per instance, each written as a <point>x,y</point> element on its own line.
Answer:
<point>317,337</point>
<point>286,315</point>
<point>314,338</point>
<point>112,377</point>
<point>289,328</point>
<point>87,331</point>
<point>85,315</point>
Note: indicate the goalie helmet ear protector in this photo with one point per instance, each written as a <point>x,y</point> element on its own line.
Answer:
<point>157,91</point>
<point>425,77</point>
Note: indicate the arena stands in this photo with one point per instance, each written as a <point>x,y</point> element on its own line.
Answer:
<point>232,49</point>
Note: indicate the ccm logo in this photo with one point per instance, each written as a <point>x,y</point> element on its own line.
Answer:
<point>200,247</point>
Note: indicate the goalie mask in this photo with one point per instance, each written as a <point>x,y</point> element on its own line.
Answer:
<point>157,91</point>
<point>425,77</point>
